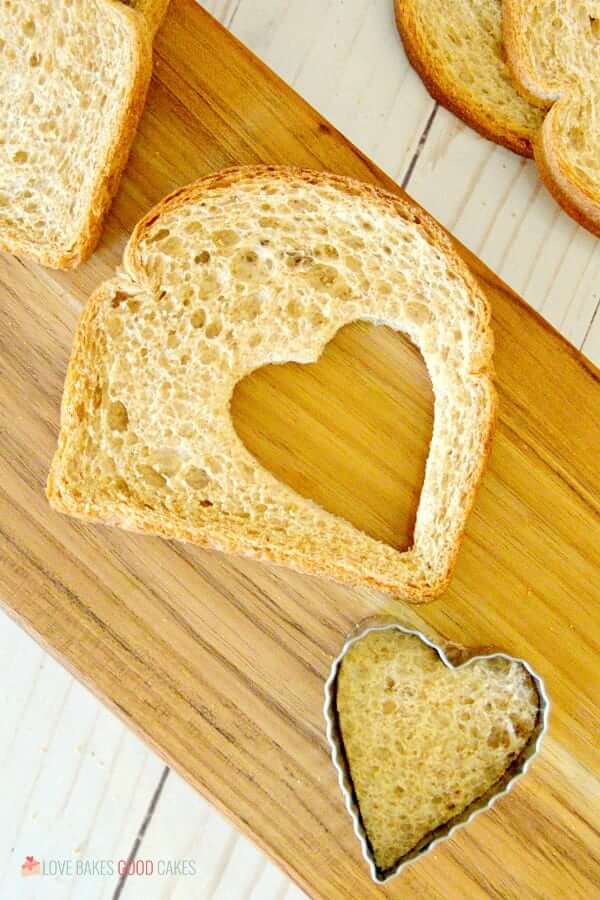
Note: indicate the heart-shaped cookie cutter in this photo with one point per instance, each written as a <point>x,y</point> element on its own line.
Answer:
<point>518,768</point>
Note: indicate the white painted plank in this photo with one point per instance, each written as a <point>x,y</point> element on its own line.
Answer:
<point>494,202</point>
<point>242,872</point>
<point>75,781</point>
<point>294,893</point>
<point>591,345</point>
<point>223,10</point>
<point>274,885</point>
<point>346,59</point>
<point>223,865</point>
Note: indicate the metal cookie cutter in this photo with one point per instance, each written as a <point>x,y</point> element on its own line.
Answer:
<point>444,832</point>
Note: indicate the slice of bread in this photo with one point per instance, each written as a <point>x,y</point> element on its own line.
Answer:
<point>424,742</point>
<point>555,58</point>
<point>73,78</point>
<point>240,270</point>
<point>457,50</point>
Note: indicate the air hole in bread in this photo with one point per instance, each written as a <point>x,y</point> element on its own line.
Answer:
<point>161,235</point>
<point>498,737</point>
<point>295,259</point>
<point>114,326</point>
<point>167,462</point>
<point>153,478</point>
<point>194,227</point>
<point>213,329</point>
<point>118,298</point>
<point>331,431</point>
<point>196,478</point>
<point>294,309</point>
<point>118,418</point>
<point>226,238</point>
<point>172,245</point>
<point>121,487</point>
<point>198,318</point>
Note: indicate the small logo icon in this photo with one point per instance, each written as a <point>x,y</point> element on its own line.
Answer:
<point>30,867</point>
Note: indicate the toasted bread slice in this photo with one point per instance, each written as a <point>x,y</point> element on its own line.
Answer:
<point>243,269</point>
<point>73,76</point>
<point>457,50</point>
<point>555,59</point>
<point>423,741</point>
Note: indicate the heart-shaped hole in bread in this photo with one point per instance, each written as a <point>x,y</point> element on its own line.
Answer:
<point>422,744</point>
<point>351,431</point>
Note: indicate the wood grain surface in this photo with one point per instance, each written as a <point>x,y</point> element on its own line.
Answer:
<point>218,663</point>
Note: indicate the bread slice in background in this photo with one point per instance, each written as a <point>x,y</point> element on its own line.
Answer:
<point>457,50</point>
<point>555,59</point>
<point>243,269</point>
<point>73,81</point>
<point>423,742</point>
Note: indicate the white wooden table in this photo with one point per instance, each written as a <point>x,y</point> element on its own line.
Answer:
<point>76,784</point>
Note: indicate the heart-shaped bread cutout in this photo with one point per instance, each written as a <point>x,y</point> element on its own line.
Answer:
<point>553,50</point>
<point>351,431</point>
<point>422,744</point>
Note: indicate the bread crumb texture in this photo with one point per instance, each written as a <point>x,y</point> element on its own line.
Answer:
<point>424,741</point>
<point>554,52</point>
<point>72,74</point>
<point>459,54</point>
<point>247,268</point>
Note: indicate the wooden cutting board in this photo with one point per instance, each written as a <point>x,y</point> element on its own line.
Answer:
<point>219,663</point>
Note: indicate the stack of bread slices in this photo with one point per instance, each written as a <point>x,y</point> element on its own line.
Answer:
<point>524,73</point>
